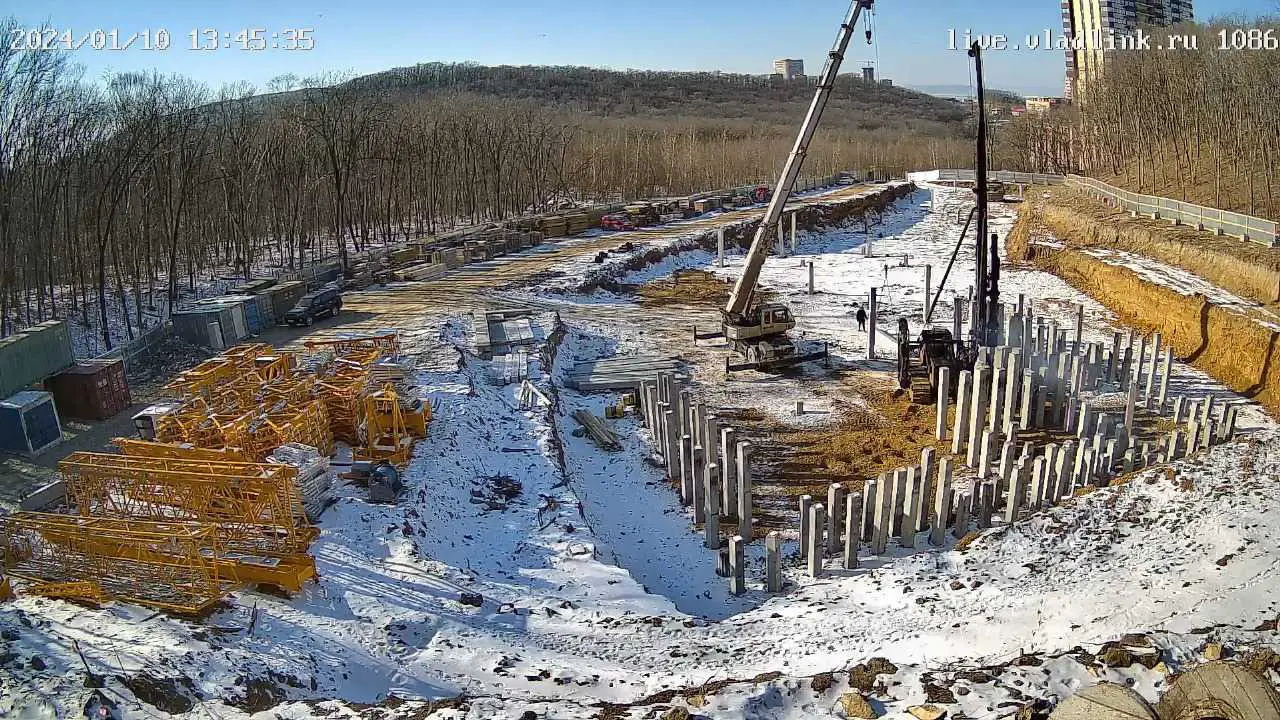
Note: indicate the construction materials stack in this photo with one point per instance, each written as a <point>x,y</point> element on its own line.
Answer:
<point>576,223</point>
<point>224,491</point>
<point>315,479</point>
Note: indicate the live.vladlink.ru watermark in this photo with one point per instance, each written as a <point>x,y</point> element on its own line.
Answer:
<point>1059,41</point>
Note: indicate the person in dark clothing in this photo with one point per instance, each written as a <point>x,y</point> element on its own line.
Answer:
<point>862,318</point>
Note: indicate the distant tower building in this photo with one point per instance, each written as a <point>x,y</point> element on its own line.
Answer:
<point>869,74</point>
<point>1089,24</point>
<point>886,82</point>
<point>788,69</point>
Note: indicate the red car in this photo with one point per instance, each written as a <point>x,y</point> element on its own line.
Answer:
<point>617,221</point>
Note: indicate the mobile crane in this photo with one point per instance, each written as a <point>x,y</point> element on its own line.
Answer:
<point>758,331</point>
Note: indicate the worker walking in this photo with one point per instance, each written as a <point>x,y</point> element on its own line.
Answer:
<point>862,318</point>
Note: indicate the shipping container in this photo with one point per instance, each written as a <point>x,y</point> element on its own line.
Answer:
<point>29,423</point>
<point>265,309</point>
<point>238,327</point>
<point>285,295</point>
<point>252,287</point>
<point>208,326</point>
<point>30,356</point>
<point>249,306</point>
<point>90,390</point>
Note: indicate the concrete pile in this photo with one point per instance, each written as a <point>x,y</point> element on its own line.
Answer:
<point>1094,411</point>
<point>708,464</point>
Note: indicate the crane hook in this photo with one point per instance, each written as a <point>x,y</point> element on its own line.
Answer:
<point>868,37</point>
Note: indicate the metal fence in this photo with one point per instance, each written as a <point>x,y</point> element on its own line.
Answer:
<point>1221,222</point>
<point>970,176</point>
<point>139,345</point>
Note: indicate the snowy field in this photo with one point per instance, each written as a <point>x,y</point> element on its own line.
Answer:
<point>595,588</point>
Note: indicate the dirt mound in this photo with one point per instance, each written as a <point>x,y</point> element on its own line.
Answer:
<point>1230,345</point>
<point>1242,267</point>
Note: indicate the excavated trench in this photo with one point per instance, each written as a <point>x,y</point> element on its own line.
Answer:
<point>1236,345</point>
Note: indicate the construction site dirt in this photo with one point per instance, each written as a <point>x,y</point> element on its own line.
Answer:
<point>627,567</point>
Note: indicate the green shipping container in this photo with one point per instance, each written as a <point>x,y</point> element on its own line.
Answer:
<point>30,356</point>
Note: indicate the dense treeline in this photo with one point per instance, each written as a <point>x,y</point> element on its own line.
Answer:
<point>117,197</point>
<point>854,105</point>
<point>1196,125</point>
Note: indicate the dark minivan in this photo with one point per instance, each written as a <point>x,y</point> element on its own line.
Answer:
<point>313,306</point>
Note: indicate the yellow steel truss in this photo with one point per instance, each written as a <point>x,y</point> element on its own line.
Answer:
<point>144,448</point>
<point>389,430</point>
<point>169,565</point>
<point>256,508</point>
<point>383,346</point>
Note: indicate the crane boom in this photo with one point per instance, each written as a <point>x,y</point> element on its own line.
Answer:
<point>740,298</point>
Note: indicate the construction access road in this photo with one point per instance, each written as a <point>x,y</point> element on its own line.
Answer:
<point>403,306</point>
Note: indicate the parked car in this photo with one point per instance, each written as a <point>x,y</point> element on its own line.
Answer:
<point>617,221</point>
<point>313,306</point>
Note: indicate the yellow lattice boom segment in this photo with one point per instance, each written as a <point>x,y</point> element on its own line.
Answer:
<point>389,429</point>
<point>382,346</point>
<point>145,448</point>
<point>255,508</point>
<point>168,565</point>
<point>232,518</point>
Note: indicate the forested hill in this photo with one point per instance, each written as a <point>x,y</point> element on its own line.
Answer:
<point>855,105</point>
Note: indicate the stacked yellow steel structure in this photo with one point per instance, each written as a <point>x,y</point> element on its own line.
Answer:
<point>177,522</point>
<point>168,565</point>
<point>256,509</point>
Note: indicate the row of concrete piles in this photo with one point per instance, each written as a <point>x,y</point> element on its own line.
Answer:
<point>1047,380</point>
<point>1064,389</point>
<point>1043,381</point>
<point>711,468</point>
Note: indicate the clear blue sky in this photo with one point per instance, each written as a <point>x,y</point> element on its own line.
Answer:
<point>729,35</point>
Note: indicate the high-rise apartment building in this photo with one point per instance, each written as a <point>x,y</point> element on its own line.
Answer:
<point>788,69</point>
<point>1092,24</point>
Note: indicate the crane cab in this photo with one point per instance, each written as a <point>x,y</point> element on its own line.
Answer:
<point>760,322</point>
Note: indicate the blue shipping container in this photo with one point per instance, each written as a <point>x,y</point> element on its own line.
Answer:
<point>252,315</point>
<point>29,423</point>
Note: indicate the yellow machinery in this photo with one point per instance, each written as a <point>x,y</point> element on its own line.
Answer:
<point>6,591</point>
<point>384,345</point>
<point>389,430</point>
<point>174,523</point>
<point>255,509</point>
<point>168,565</point>
<point>144,448</point>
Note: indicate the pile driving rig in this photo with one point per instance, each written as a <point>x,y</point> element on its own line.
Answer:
<point>919,360</point>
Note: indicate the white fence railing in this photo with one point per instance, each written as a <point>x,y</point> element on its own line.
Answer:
<point>969,176</point>
<point>1221,222</point>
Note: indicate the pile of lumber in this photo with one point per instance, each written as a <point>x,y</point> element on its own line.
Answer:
<point>576,223</point>
<point>599,431</point>
<point>620,373</point>
<point>420,271</point>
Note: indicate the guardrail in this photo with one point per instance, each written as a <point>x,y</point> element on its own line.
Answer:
<point>970,176</point>
<point>1221,222</point>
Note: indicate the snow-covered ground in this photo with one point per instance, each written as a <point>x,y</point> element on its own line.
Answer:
<point>596,588</point>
